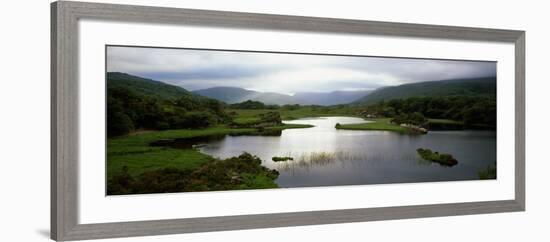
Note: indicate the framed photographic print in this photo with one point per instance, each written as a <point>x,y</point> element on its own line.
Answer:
<point>169,120</point>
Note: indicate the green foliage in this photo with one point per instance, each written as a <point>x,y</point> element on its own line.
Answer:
<point>135,152</point>
<point>375,124</point>
<point>260,120</point>
<point>291,107</point>
<point>118,121</point>
<point>128,109</point>
<point>271,117</point>
<point>241,172</point>
<point>121,183</point>
<point>442,159</point>
<point>471,111</point>
<point>294,112</point>
<point>488,173</point>
<point>249,104</point>
<point>139,157</point>
<point>483,113</point>
<point>415,118</point>
<point>145,87</point>
<point>194,120</point>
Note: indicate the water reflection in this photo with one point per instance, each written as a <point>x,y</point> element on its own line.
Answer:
<point>324,156</point>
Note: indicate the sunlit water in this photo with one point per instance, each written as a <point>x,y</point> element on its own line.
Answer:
<point>325,156</point>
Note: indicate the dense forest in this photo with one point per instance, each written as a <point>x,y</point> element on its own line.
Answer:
<point>127,111</point>
<point>472,111</point>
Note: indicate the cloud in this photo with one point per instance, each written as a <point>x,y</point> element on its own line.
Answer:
<point>285,73</point>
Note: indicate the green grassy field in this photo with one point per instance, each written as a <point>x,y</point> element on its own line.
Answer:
<point>135,152</point>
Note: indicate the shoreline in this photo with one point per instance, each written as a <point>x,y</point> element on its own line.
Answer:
<point>133,155</point>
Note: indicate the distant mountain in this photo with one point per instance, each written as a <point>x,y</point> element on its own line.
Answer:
<point>225,94</point>
<point>331,98</point>
<point>145,87</point>
<point>236,95</point>
<point>485,86</point>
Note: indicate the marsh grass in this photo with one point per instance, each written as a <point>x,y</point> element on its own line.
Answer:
<point>317,158</point>
<point>488,173</point>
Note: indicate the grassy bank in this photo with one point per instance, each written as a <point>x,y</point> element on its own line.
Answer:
<point>251,115</point>
<point>385,125</point>
<point>290,126</point>
<point>375,124</point>
<point>240,172</point>
<point>135,152</point>
<point>132,157</point>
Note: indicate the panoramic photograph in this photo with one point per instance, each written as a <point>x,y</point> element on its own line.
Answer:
<point>194,120</point>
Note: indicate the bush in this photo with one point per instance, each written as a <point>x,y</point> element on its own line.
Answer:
<point>442,159</point>
<point>415,118</point>
<point>241,172</point>
<point>118,123</point>
<point>248,104</point>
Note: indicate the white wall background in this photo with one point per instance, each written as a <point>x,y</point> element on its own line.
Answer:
<point>24,100</point>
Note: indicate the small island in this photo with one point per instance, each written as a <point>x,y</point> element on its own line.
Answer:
<point>383,124</point>
<point>281,158</point>
<point>441,158</point>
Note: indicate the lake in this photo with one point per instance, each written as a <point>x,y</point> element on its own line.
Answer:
<point>325,156</point>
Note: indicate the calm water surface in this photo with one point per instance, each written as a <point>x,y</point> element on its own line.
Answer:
<point>325,156</point>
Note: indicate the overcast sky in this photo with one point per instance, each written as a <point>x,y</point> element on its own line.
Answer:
<point>284,73</point>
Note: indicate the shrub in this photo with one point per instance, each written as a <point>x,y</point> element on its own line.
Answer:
<point>442,159</point>
<point>241,172</point>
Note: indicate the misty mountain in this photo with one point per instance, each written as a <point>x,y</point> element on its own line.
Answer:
<point>331,98</point>
<point>236,95</point>
<point>485,86</point>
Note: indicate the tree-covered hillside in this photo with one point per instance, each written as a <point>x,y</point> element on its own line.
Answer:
<point>135,103</point>
<point>144,87</point>
<point>477,87</point>
<point>473,112</point>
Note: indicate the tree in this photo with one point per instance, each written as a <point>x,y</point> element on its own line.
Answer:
<point>248,104</point>
<point>118,123</point>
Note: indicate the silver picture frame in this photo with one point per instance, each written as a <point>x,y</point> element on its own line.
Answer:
<point>64,118</point>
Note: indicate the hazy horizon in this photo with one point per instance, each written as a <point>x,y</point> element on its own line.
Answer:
<point>284,73</point>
